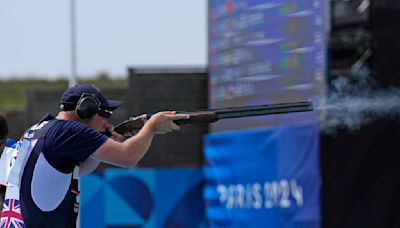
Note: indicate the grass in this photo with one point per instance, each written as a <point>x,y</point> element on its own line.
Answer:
<point>12,90</point>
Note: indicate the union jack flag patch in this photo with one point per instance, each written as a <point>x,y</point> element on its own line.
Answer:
<point>11,214</point>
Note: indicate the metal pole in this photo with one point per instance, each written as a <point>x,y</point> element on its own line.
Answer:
<point>74,75</point>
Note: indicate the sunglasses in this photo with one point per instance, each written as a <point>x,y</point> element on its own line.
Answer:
<point>104,113</point>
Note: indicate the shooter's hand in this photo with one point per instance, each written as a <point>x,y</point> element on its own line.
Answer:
<point>114,135</point>
<point>163,122</point>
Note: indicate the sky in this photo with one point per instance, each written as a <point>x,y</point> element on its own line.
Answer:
<point>111,35</point>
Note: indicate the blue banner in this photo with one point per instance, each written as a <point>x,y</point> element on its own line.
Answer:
<point>263,178</point>
<point>143,198</point>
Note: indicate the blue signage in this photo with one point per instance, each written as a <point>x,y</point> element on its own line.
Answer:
<point>263,178</point>
<point>264,52</point>
<point>143,198</point>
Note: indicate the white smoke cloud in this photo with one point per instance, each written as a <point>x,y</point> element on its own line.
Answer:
<point>356,101</point>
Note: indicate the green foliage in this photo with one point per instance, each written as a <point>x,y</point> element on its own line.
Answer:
<point>12,90</point>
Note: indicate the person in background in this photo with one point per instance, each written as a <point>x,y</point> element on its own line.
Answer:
<point>3,139</point>
<point>3,131</point>
<point>55,146</point>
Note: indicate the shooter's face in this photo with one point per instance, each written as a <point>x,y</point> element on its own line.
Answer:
<point>99,123</point>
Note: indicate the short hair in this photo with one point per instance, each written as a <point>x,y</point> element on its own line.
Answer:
<point>3,126</point>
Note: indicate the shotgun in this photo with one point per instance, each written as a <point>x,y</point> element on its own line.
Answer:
<point>213,115</point>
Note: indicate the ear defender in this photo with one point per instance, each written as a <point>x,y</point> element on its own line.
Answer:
<point>87,106</point>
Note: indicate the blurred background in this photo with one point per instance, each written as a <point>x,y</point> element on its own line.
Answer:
<point>336,166</point>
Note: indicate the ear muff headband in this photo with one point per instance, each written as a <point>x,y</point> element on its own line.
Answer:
<point>87,106</point>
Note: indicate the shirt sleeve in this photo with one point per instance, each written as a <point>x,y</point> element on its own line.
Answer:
<point>71,142</point>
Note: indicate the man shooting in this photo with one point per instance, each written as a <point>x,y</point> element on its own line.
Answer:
<point>41,180</point>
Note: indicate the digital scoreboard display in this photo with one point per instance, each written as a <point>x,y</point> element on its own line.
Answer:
<point>265,52</point>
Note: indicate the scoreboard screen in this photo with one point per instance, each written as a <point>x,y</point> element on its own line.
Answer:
<point>265,52</point>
